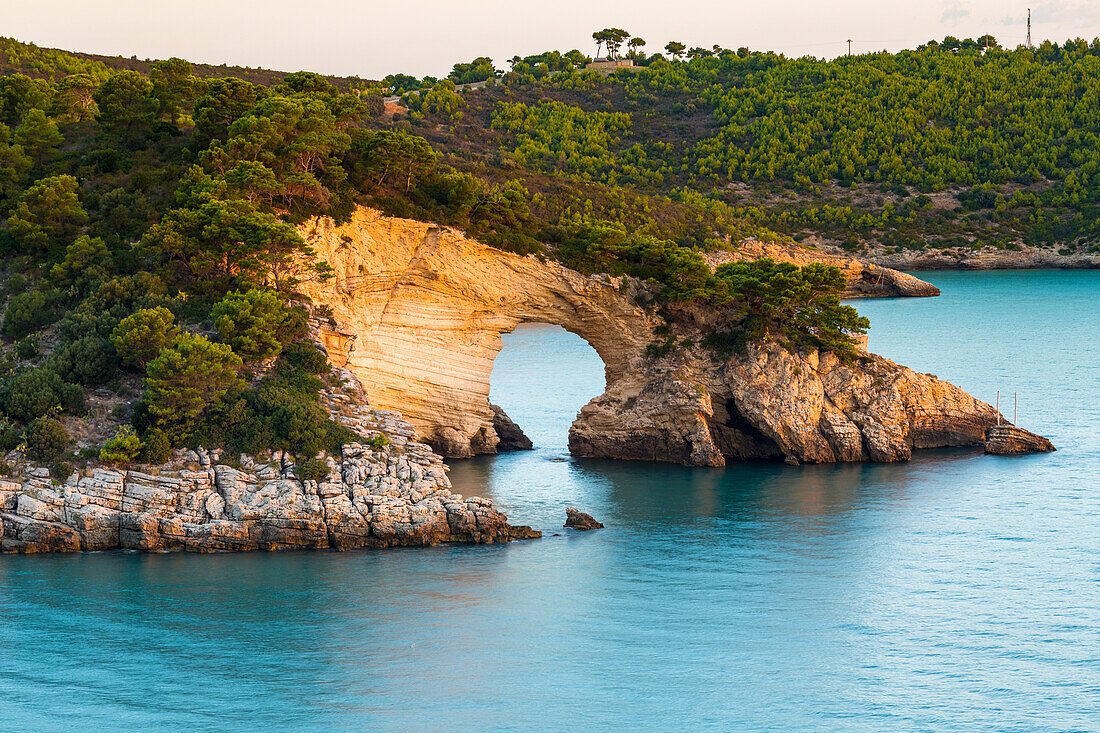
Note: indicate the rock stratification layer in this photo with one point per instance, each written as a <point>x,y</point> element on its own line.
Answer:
<point>1009,440</point>
<point>417,313</point>
<point>369,499</point>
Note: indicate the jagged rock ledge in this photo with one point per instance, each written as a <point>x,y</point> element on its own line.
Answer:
<point>864,279</point>
<point>511,435</point>
<point>371,498</point>
<point>394,495</point>
<point>1009,440</point>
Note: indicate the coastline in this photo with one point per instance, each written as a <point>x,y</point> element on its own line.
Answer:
<point>986,258</point>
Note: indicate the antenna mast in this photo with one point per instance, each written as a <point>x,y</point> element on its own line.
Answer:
<point>1028,41</point>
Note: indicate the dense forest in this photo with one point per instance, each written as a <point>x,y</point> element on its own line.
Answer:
<point>955,143</point>
<point>148,209</point>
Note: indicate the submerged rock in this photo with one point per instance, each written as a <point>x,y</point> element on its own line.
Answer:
<point>580,521</point>
<point>1009,440</point>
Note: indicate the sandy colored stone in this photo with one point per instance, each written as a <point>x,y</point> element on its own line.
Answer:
<point>417,314</point>
<point>1009,440</point>
<point>863,278</point>
<point>395,495</point>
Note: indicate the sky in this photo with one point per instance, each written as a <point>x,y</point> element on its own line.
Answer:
<point>419,37</point>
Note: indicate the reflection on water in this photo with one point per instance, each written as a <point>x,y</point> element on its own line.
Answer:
<point>954,592</point>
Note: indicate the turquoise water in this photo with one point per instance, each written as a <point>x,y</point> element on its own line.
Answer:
<point>955,592</point>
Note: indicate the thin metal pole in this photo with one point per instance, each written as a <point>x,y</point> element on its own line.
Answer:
<point>998,407</point>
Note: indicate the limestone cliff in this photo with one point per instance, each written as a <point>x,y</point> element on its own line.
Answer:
<point>417,313</point>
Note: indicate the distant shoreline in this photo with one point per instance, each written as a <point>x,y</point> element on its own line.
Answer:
<point>987,258</point>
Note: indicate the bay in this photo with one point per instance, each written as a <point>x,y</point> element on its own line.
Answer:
<point>956,591</point>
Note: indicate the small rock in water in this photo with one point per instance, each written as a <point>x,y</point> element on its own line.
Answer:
<point>580,521</point>
<point>791,461</point>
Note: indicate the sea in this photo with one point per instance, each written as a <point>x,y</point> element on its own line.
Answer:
<point>955,592</point>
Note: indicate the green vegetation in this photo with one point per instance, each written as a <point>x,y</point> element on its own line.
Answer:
<point>193,187</point>
<point>125,447</point>
<point>953,143</point>
<point>256,324</point>
<point>148,210</point>
<point>798,306</point>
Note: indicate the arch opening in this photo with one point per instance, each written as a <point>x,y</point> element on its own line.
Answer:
<point>541,377</point>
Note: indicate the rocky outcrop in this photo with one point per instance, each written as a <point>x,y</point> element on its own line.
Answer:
<point>775,404</point>
<point>417,313</point>
<point>1009,440</point>
<point>578,520</point>
<point>511,435</point>
<point>865,279</point>
<point>395,494</point>
<point>370,498</point>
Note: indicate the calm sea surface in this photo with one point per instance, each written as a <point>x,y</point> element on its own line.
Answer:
<point>955,592</point>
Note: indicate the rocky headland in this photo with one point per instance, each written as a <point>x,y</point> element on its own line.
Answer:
<point>412,321</point>
<point>395,494</point>
<point>417,312</point>
<point>865,279</point>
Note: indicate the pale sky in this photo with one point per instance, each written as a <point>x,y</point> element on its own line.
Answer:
<point>371,39</point>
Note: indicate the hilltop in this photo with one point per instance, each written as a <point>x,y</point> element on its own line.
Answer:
<point>955,143</point>
<point>55,64</point>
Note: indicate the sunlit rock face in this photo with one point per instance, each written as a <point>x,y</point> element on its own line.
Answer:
<point>417,313</point>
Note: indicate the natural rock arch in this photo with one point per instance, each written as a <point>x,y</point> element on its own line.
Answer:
<point>536,365</point>
<point>417,313</point>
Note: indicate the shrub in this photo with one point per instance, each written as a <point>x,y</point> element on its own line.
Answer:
<point>123,448</point>
<point>27,348</point>
<point>378,442</point>
<point>301,428</point>
<point>89,360</point>
<point>86,261</point>
<point>9,435</point>
<point>37,392</point>
<point>186,379</point>
<point>255,323</point>
<point>139,337</point>
<point>61,470</point>
<point>30,311</point>
<point>313,470</point>
<point>158,449</point>
<point>46,439</point>
<point>47,213</point>
<point>306,357</point>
